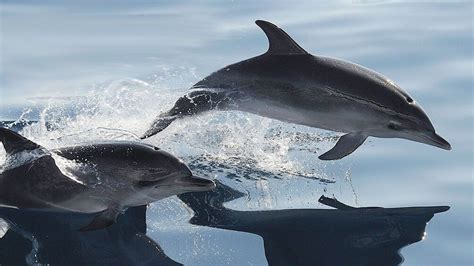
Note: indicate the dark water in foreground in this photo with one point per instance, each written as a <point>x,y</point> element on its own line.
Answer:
<point>346,236</point>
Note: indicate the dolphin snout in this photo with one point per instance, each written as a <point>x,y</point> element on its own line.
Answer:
<point>199,183</point>
<point>203,182</point>
<point>436,140</point>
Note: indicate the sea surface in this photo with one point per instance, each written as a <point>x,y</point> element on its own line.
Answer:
<point>79,71</point>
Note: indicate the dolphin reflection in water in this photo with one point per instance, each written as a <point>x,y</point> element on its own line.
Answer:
<point>341,236</point>
<point>37,237</point>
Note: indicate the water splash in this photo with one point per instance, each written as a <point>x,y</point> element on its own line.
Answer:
<point>230,145</point>
<point>3,228</point>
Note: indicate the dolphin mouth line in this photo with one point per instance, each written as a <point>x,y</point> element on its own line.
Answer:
<point>437,141</point>
<point>189,181</point>
<point>193,182</point>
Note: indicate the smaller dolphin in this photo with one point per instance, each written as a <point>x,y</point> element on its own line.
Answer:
<point>103,178</point>
<point>289,84</point>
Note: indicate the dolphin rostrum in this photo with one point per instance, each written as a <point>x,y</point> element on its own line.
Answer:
<point>289,84</point>
<point>103,178</point>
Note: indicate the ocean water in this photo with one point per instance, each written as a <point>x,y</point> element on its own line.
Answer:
<point>94,70</point>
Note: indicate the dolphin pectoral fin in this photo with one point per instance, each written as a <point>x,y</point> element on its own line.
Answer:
<point>102,220</point>
<point>160,123</point>
<point>344,146</point>
<point>279,41</point>
<point>14,142</point>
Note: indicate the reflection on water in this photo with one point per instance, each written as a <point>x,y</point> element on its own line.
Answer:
<point>345,236</point>
<point>38,237</point>
<point>342,236</point>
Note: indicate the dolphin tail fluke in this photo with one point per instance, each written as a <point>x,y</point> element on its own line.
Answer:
<point>160,123</point>
<point>193,103</point>
<point>344,146</point>
<point>184,106</point>
<point>102,220</point>
<point>14,142</point>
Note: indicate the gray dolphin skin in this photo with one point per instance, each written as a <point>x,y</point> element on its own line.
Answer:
<point>289,84</point>
<point>102,178</point>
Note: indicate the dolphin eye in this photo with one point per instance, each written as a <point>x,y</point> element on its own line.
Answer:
<point>409,99</point>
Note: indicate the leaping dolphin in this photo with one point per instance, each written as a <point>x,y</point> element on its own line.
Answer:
<point>289,84</point>
<point>102,178</point>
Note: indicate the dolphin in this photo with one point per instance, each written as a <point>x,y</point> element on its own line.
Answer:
<point>103,178</point>
<point>291,85</point>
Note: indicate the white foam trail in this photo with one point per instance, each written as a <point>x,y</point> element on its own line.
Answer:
<point>23,157</point>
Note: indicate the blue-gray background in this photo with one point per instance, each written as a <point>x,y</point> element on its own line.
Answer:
<point>117,64</point>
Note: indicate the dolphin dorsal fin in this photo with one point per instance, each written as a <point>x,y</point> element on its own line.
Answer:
<point>280,42</point>
<point>14,142</point>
